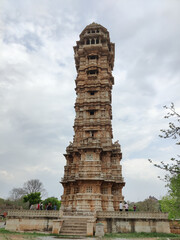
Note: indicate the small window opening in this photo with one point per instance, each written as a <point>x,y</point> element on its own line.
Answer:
<point>92,72</point>
<point>91,112</point>
<point>87,42</point>
<point>92,93</point>
<point>91,133</point>
<point>97,30</point>
<point>93,31</point>
<point>93,41</point>
<point>88,31</point>
<point>93,57</point>
<point>89,189</point>
<point>97,40</point>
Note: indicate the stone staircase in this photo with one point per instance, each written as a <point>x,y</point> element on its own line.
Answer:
<point>74,226</point>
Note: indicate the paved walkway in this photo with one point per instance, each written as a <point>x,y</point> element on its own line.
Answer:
<point>53,238</point>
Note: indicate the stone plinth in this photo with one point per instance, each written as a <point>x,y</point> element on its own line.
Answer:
<point>56,228</point>
<point>90,227</point>
<point>99,230</point>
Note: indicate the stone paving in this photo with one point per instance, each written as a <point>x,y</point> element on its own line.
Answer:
<point>84,238</point>
<point>53,238</point>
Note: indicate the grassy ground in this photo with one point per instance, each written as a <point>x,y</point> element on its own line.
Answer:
<point>143,235</point>
<point>8,235</point>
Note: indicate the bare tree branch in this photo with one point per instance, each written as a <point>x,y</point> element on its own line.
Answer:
<point>34,185</point>
<point>31,186</point>
<point>172,132</point>
<point>17,193</point>
<point>174,129</point>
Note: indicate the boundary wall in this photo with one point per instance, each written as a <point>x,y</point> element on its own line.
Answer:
<point>113,221</point>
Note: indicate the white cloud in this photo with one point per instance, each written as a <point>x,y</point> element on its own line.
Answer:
<point>6,176</point>
<point>140,169</point>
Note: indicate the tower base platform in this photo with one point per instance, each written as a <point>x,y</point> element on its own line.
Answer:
<point>84,223</point>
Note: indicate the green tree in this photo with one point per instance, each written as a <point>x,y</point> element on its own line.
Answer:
<point>2,201</point>
<point>167,205</point>
<point>32,198</point>
<point>54,201</point>
<point>13,204</point>
<point>171,202</point>
<point>150,204</point>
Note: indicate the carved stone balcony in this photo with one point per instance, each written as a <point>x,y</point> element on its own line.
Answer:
<point>90,143</point>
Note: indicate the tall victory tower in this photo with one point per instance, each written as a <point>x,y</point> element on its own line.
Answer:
<point>93,175</point>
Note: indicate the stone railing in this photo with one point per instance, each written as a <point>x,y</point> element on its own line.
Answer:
<point>79,214</point>
<point>33,213</point>
<point>132,215</point>
<point>99,214</point>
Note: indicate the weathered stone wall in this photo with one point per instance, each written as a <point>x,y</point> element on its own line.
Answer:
<point>135,225</point>
<point>29,224</point>
<point>31,220</point>
<point>124,222</point>
<point>114,222</point>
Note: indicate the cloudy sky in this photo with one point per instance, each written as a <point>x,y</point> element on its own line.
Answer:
<point>37,73</point>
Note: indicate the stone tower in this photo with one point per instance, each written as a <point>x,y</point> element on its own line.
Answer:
<point>93,175</point>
